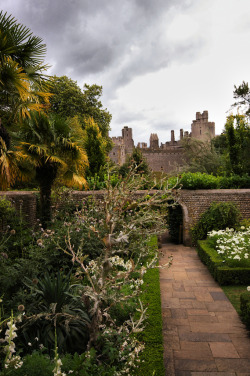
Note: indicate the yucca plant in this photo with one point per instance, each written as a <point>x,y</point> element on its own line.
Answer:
<point>56,306</point>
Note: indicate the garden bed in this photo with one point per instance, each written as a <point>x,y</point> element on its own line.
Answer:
<point>224,275</point>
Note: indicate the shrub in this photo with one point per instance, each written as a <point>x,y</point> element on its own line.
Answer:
<point>218,216</point>
<point>225,275</point>
<point>198,180</point>
<point>245,307</point>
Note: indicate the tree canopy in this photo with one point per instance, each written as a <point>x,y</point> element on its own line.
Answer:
<point>68,100</point>
<point>23,85</point>
<point>242,96</point>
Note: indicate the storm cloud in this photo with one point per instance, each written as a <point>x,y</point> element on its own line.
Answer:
<point>151,57</point>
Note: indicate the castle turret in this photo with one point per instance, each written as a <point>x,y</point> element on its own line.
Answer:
<point>154,141</point>
<point>181,134</point>
<point>128,139</point>
<point>201,128</point>
<point>172,138</point>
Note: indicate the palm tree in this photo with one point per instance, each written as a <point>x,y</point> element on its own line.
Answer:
<point>23,86</point>
<point>53,148</point>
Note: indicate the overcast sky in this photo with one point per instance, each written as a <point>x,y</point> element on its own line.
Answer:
<point>159,61</point>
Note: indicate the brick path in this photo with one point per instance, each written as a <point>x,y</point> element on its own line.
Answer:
<point>202,332</point>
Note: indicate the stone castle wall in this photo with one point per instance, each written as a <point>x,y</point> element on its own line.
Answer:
<point>167,157</point>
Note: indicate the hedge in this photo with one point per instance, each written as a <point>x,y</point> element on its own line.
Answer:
<point>245,308</point>
<point>224,275</point>
<point>152,356</point>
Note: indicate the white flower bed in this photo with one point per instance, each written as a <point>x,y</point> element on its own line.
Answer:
<point>233,246</point>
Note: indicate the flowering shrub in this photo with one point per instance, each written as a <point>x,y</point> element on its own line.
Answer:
<point>108,244</point>
<point>232,246</point>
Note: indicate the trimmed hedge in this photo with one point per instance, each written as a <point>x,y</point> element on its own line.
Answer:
<point>152,356</point>
<point>245,308</point>
<point>224,275</point>
<point>199,180</point>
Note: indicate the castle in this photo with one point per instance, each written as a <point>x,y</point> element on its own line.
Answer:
<point>167,157</point>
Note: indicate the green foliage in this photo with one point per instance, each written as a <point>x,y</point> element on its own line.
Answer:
<point>242,96</point>
<point>135,162</point>
<point>7,211</point>
<point>22,82</point>
<point>198,180</point>
<point>56,306</point>
<point>98,182</point>
<point>202,156</point>
<point>34,364</point>
<point>95,147</point>
<point>224,275</point>
<point>69,100</point>
<point>152,356</point>
<point>245,307</point>
<point>218,216</point>
<point>237,132</point>
<point>233,293</point>
<point>54,151</point>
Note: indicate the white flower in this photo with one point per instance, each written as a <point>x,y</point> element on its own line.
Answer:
<point>248,288</point>
<point>237,257</point>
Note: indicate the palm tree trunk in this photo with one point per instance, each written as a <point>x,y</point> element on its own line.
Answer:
<point>45,175</point>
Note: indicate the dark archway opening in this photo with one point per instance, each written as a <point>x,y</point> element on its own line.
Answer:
<point>175,223</point>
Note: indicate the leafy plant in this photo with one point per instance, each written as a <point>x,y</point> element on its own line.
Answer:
<point>56,306</point>
<point>218,216</point>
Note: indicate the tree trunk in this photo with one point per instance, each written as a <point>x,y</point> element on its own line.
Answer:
<point>45,175</point>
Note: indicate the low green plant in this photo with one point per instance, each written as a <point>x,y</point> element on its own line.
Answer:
<point>57,305</point>
<point>225,275</point>
<point>218,216</point>
<point>245,307</point>
<point>199,180</point>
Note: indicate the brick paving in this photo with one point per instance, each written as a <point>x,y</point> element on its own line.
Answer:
<point>203,334</point>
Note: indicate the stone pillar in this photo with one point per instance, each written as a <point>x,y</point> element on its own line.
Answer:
<point>172,137</point>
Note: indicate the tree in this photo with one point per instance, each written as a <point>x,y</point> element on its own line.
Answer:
<point>202,157</point>
<point>94,145</point>
<point>53,147</point>
<point>135,162</point>
<point>242,95</point>
<point>237,133</point>
<point>23,86</point>
<point>68,100</point>
<point>92,107</point>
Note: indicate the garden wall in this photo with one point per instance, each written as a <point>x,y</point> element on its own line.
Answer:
<point>193,203</point>
<point>24,202</point>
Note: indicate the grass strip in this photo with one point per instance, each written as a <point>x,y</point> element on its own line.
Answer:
<point>233,293</point>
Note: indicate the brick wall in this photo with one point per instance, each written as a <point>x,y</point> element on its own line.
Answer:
<point>194,204</point>
<point>24,202</point>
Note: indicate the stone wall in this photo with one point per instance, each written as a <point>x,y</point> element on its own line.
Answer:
<point>170,160</point>
<point>24,202</point>
<point>195,203</point>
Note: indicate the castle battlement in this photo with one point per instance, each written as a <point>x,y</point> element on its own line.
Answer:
<point>169,155</point>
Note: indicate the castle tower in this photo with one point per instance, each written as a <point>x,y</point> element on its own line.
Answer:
<point>154,141</point>
<point>128,139</point>
<point>172,138</point>
<point>201,128</point>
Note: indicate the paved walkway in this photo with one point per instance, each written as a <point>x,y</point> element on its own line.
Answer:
<point>203,334</point>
